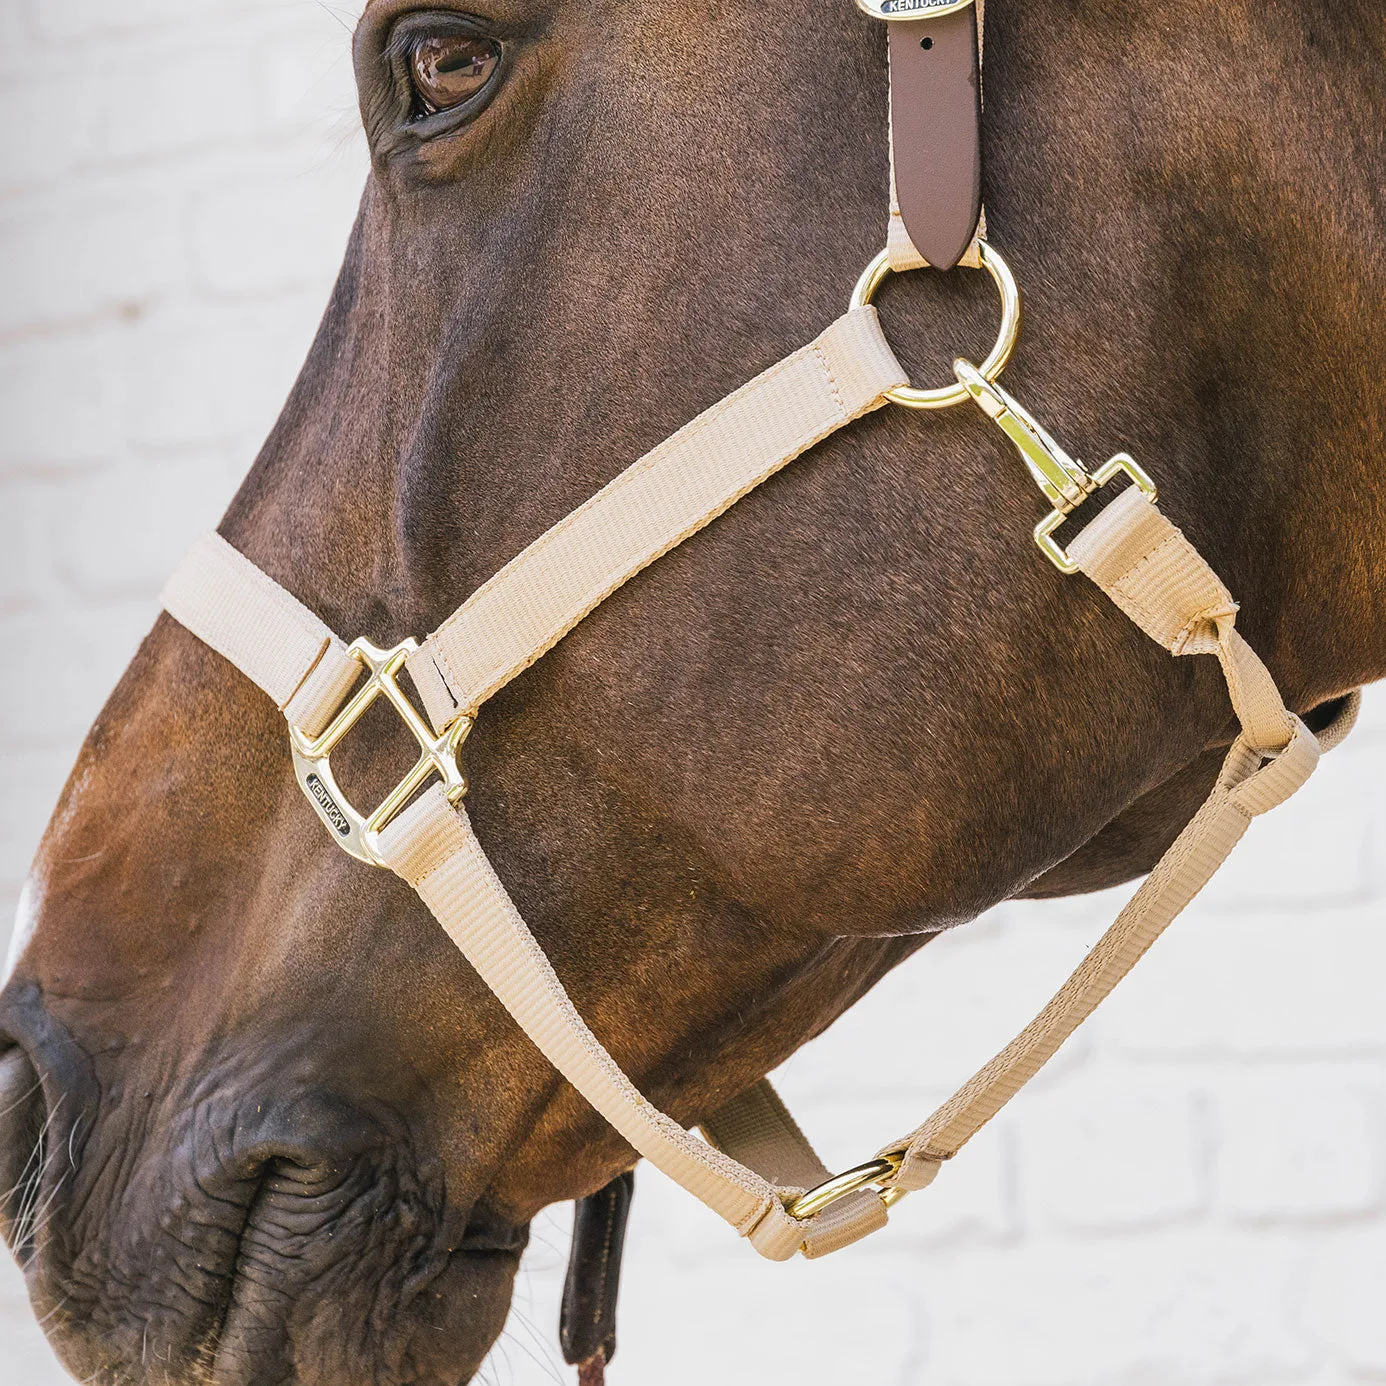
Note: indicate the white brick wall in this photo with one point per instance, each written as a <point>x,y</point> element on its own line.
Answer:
<point>1196,1193</point>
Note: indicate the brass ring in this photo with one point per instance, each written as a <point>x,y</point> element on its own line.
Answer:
<point>874,275</point>
<point>832,1190</point>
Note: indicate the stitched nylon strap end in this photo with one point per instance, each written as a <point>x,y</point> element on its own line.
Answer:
<point>431,845</point>
<point>270,636</point>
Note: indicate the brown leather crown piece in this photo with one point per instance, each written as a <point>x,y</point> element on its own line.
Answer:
<point>936,131</point>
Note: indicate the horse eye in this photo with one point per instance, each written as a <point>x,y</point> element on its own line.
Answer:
<point>448,69</point>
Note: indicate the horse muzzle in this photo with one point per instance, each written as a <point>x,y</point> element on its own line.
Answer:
<point>237,1234</point>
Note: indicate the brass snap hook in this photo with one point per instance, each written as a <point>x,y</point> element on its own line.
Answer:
<point>1065,482</point>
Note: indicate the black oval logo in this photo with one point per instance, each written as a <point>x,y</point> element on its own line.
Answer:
<point>328,804</point>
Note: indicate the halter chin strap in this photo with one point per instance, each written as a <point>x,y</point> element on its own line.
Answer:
<point>755,1169</point>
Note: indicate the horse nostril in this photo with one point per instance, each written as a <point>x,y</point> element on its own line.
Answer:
<point>22,1153</point>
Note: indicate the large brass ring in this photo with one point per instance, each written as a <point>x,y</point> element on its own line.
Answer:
<point>834,1190</point>
<point>874,275</point>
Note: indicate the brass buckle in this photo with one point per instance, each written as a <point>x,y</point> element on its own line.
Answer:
<point>1065,482</point>
<point>861,1177</point>
<point>357,833</point>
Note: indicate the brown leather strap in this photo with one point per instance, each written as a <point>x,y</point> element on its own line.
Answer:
<point>936,131</point>
<point>587,1323</point>
<point>592,1372</point>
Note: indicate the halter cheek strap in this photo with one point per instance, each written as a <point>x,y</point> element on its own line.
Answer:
<point>755,1169</point>
<point>666,496</point>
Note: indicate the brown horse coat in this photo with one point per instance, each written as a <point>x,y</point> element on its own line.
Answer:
<point>304,1140</point>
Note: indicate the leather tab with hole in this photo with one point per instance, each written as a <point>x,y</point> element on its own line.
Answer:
<point>936,131</point>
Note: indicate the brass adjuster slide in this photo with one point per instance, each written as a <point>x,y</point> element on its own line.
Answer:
<point>354,832</point>
<point>1065,482</point>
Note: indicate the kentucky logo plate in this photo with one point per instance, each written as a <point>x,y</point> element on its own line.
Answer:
<point>910,9</point>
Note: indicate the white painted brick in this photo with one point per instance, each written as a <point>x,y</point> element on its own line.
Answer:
<point>306,78</point>
<point>74,657</point>
<point>258,238</point>
<point>215,375</point>
<point>26,569</point>
<point>943,1013</point>
<point>1345,1298</point>
<point>60,400</point>
<point>40,143</point>
<point>1189,1308</point>
<point>74,258</point>
<point>1298,1145</point>
<point>194,97</point>
<point>1257,985</point>
<point>133,523</point>
<point>61,20</point>
<point>747,1320</point>
<point>17,40</point>
<point>1109,1155</point>
<point>32,782</point>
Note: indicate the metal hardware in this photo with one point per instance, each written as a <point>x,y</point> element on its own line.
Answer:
<point>861,1177</point>
<point>1065,482</point>
<point>875,274</point>
<point>354,832</point>
<point>910,9</point>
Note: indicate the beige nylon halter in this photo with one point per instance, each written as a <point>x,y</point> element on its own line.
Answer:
<point>755,1167</point>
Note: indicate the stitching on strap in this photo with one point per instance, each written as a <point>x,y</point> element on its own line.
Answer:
<point>822,358</point>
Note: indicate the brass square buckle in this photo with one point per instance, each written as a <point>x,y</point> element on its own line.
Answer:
<point>357,833</point>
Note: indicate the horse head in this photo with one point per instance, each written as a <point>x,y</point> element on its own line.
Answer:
<point>261,1120</point>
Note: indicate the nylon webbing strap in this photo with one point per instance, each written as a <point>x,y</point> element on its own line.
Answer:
<point>757,1130</point>
<point>654,505</point>
<point>432,846</point>
<point>662,499</point>
<point>271,637</point>
<point>1152,572</point>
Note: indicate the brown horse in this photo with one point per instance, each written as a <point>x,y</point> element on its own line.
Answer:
<point>283,1134</point>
